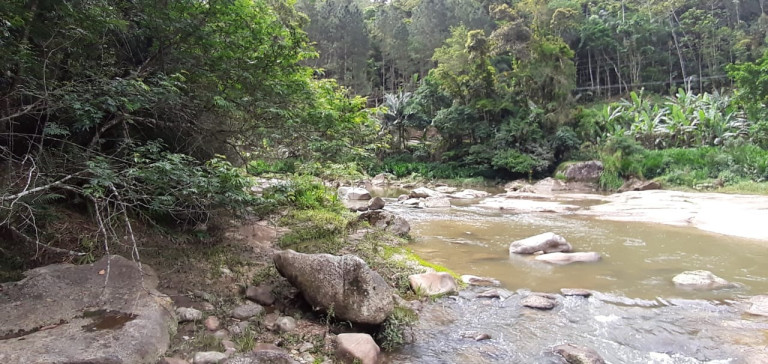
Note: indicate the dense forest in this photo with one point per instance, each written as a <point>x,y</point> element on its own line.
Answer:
<point>150,109</point>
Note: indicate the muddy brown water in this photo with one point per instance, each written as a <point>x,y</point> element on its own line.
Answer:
<point>636,316</point>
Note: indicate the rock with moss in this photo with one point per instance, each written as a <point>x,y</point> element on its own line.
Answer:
<point>341,285</point>
<point>588,171</point>
<point>386,221</point>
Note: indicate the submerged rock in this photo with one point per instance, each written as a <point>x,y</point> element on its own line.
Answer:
<point>344,283</point>
<point>539,302</point>
<point>433,283</point>
<point>386,220</point>
<point>701,279</point>
<point>480,281</point>
<point>575,292</point>
<point>357,348</point>
<point>578,354</point>
<point>584,171</point>
<point>547,243</point>
<point>568,258</point>
<point>105,312</point>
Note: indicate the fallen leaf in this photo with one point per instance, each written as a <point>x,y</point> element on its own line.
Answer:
<point>101,272</point>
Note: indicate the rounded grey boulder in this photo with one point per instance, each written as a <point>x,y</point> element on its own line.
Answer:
<point>344,284</point>
<point>547,243</point>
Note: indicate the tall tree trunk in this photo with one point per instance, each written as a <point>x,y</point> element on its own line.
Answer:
<point>679,56</point>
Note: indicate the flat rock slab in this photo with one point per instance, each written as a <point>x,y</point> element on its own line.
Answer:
<point>568,258</point>
<point>538,302</point>
<point>759,305</point>
<point>575,292</point>
<point>98,313</point>
<point>480,281</point>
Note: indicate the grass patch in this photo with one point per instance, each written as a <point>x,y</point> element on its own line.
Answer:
<point>315,231</point>
<point>746,187</point>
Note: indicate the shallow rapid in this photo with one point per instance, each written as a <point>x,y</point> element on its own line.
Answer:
<point>637,315</point>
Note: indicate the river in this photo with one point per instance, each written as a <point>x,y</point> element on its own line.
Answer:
<point>636,315</point>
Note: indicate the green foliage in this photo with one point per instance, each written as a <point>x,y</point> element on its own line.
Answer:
<point>392,334</point>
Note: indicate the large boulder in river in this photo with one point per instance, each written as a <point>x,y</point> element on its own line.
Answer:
<point>376,203</point>
<point>344,284</point>
<point>584,171</point>
<point>381,179</point>
<point>638,185</point>
<point>701,280</point>
<point>353,193</point>
<point>434,283</point>
<point>387,221</point>
<point>423,192</point>
<point>568,258</point>
<point>578,354</point>
<point>105,312</point>
<point>547,243</point>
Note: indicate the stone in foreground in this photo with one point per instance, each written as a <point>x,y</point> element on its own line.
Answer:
<point>246,311</point>
<point>432,284</point>
<point>186,314</point>
<point>538,302</point>
<point>547,243</point>
<point>260,294</point>
<point>759,305</point>
<point>568,258</point>
<point>209,357</point>
<point>88,317</point>
<point>578,354</point>
<point>357,348</point>
<point>701,280</point>
<point>344,283</point>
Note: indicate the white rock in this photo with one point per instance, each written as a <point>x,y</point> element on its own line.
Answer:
<point>435,202</point>
<point>568,258</point>
<point>547,243</point>
<point>700,279</point>
<point>188,314</point>
<point>247,311</point>
<point>285,324</point>
<point>469,194</point>
<point>480,281</point>
<point>357,347</point>
<point>759,305</point>
<point>209,357</point>
<point>434,283</point>
<point>423,192</point>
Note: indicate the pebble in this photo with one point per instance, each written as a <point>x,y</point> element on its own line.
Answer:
<point>188,314</point>
<point>286,324</point>
<point>260,294</point>
<point>221,334</point>
<point>306,347</point>
<point>246,311</point>
<point>212,323</point>
<point>538,302</point>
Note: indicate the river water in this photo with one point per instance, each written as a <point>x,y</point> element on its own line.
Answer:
<point>635,316</point>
